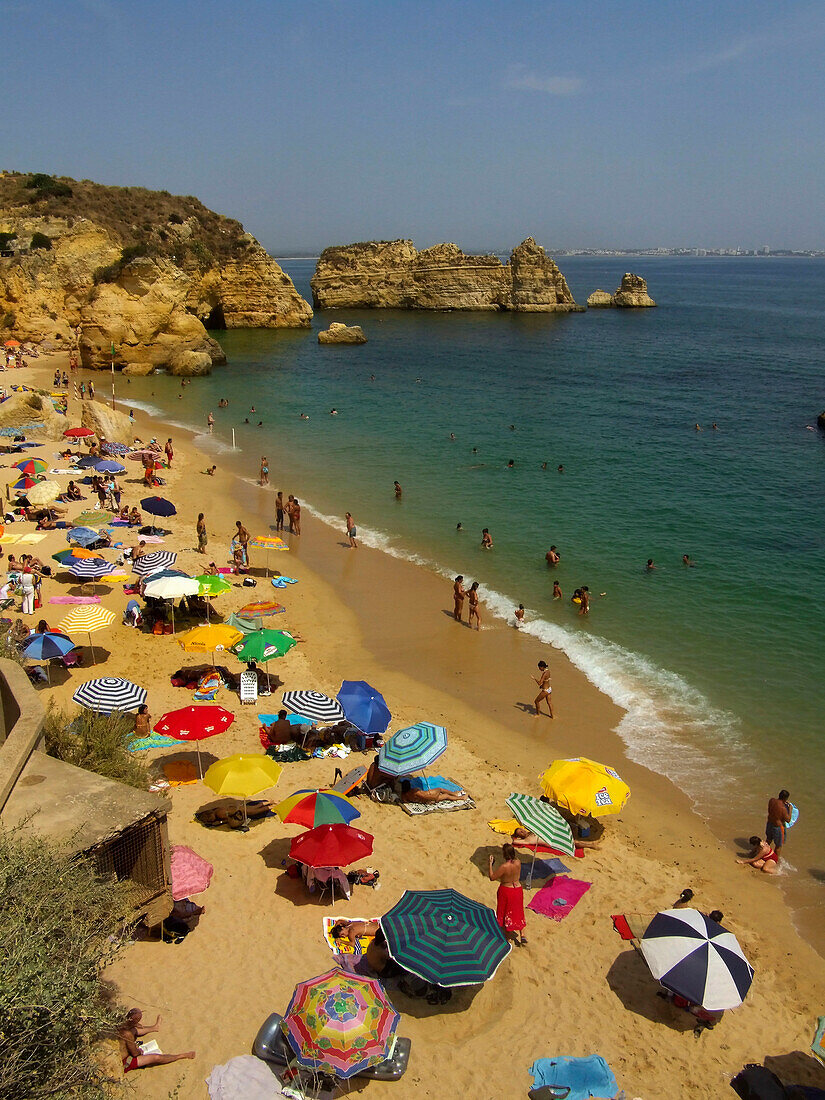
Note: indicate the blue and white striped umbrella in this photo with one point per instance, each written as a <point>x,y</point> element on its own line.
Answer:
<point>697,958</point>
<point>110,693</point>
<point>90,568</point>
<point>411,749</point>
<point>154,562</point>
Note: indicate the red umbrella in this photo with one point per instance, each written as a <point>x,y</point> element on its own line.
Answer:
<point>331,846</point>
<point>191,873</point>
<point>78,433</point>
<point>195,724</point>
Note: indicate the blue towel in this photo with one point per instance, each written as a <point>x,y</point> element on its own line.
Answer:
<point>429,782</point>
<point>585,1077</point>
<point>282,582</point>
<point>544,868</point>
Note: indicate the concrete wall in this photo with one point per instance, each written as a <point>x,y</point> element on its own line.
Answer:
<point>21,725</point>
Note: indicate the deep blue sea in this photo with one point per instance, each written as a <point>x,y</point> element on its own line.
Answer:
<point>721,666</point>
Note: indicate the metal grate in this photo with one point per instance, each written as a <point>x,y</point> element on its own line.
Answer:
<point>135,857</point>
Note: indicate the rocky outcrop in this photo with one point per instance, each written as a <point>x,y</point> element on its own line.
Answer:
<point>632,294</point>
<point>394,275</point>
<point>26,407</point>
<point>342,334</point>
<point>821,420</point>
<point>106,423</point>
<point>150,289</point>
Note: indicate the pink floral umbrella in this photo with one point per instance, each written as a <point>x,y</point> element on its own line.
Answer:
<point>191,873</point>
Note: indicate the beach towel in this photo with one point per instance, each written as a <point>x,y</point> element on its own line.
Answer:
<point>243,1078</point>
<point>282,582</point>
<point>415,809</point>
<point>545,849</point>
<point>31,538</point>
<point>180,773</point>
<point>74,599</point>
<point>585,1077</point>
<point>289,754</point>
<point>344,947</point>
<point>502,825</point>
<point>558,897</point>
<point>428,782</point>
<point>153,741</point>
<point>631,926</point>
<point>542,868</point>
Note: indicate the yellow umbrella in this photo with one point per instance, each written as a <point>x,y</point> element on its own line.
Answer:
<point>210,637</point>
<point>268,542</point>
<point>243,775</point>
<point>44,492</point>
<point>87,618</point>
<point>584,787</point>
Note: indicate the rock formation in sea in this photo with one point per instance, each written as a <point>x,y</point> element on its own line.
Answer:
<point>144,270</point>
<point>821,420</point>
<point>631,294</point>
<point>394,275</point>
<point>342,334</point>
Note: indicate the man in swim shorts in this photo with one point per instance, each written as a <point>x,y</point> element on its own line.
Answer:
<point>779,814</point>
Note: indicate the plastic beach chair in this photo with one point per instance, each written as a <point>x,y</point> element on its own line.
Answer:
<point>248,688</point>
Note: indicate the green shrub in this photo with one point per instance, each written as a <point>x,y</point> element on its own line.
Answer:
<point>58,927</point>
<point>9,320</point>
<point>5,240</point>
<point>47,187</point>
<point>40,240</point>
<point>96,742</point>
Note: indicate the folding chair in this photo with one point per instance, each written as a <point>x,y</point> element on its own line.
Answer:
<point>248,688</point>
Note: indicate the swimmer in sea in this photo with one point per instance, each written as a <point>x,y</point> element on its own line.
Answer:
<point>333,412</point>
<point>560,468</point>
<point>557,594</point>
<point>452,435</point>
<point>544,465</point>
<point>510,464</point>
<point>697,427</point>
<point>552,557</point>
<point>398,490</point>
<point>486,539</point>
<point>519,615</point>
<point>650,565</point>
<point>687,561</point>
<point>459,527</point>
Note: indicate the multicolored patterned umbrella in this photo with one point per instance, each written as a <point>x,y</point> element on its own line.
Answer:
<point>544,820</point>
<point>311,808</point>
<point>32,466</point>
<point>261,607</point>
<point>364,707</point>
<point>23,483</point>
<point>110,693</point>
<point>93,515</point>
<point>411,749</point>
<point>330,846</point>
<point>268,542</point>
<point>445,937</point>
<point>340,1023</point>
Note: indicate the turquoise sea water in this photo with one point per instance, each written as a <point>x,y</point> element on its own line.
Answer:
<point>720,666</point>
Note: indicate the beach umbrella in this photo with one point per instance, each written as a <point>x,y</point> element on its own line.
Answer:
<point>110,448</point>
<point>698,959</point>
<point>340,1023</point>
<point>32,466</point>
<point>363,706</point>
<point>584,787</point>
<point>158,506</point>
<point>87,618</point>
<point>243,776</point>
<point>143,454</point>
<point>26,443</point>
<point>245,625</point>
<point>109,466</point>
<point>44,492</point>
<point>210,637</point>
<point>190,873</point>
<point>261,607</point>
<point>108,694</point>
<point>45,647</point>
<point>168,584</point>
<point>8,430</point>
<point>12,344</point>
<point>411,749</point>
<point>444,937</point>
<point>86,462</point>
<point>311,808</point>
<point>84,536</point>
<point>89,568</point>
<point>78,433</point>
<point>23,483</point>
<point>94,515</point>
<point>268,542</point>
<point>544,820</point>
<point>195,723</point>
<point>210,585</point>
<point>75,553</point>
<point>264,646</point>
<point>330,846</point>
<point>313,705</point>
<point>154,562</point>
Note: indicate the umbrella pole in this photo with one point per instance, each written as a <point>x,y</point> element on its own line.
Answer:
<point>532,865</point>
<point>173,617</point>
<point>94,659</point>
<point>245,825</point>
<point>200,766</point>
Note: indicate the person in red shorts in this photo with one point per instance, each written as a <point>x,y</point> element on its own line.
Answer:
<point>510,897</point>
<point>130,1031</point>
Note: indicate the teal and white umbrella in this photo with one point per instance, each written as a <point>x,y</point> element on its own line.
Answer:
<point>545,821</point>
<point>411,749</point>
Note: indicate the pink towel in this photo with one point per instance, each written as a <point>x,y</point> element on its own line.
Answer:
<point>74,599</point>
<point>557,898</point>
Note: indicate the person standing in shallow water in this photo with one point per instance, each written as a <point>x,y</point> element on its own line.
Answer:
<point>458,597</point>
<point>352,531</point>
<point>279,511</point>
<point>264,471</point>
<point>472,599</point>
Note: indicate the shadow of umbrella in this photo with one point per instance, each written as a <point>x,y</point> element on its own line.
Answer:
<point>631,981</point>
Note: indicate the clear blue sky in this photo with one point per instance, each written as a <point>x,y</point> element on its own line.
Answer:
<point>322,122</point>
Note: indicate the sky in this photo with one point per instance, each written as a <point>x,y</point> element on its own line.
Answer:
<point>321,122</point>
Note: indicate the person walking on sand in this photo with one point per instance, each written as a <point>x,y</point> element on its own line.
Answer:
<point>458,597</point>
<point>779,815</point>
<point>545,691</point>
<point>352,531</point>
<point>242,536</point>
<point>510,896</point>
<point>296,516</point>
<point>264,471</point>
<point>201,531</point>
<point>169,451</point>
<point>472,599</point>
<point>130,1031</point>
<point>279,510</point>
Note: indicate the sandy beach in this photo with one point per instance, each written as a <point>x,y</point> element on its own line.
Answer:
<point>576,988</point>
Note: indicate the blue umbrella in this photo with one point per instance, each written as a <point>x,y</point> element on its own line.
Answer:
<point>10,431</point>
<point>26,444</point>
<point>411,749</point>
<point>364,707</point>
<point>43,647</point>
<point>109,466</point>
<point>83,536</point>
<point>158,506</point>
<point>86,462</point>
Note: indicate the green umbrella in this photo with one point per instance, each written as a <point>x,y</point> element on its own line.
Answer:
<point>264,645</point>
<point>94,516</point>
<point>545,821</point>
<point>209,585</point>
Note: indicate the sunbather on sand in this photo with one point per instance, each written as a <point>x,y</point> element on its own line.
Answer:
<point>130,1031</point>
<point>409,793</point>
<point>234,816</point>
<point>524,836</point>
<point>350,930</point>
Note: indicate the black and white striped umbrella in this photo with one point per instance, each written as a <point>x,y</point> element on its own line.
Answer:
<point>697,958</point>
<point>91,568</point>
<point>313,705</point>
<point>154,562</point>
<point>110,693</point>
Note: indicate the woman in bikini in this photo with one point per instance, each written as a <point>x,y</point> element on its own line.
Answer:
<point>543,681</point>
<point>763,857</point>
<point>472,597</point>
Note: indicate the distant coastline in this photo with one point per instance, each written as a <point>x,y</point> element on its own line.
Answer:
<point>681,253</point>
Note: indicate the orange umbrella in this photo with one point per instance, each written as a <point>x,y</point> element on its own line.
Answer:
<point>12,344</point>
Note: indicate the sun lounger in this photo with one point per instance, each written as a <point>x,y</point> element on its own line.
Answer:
<point>349,781</point>
<point>249,686</point>
<point>631,926</point>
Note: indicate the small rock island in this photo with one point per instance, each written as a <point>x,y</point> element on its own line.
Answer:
<point>632,294</point>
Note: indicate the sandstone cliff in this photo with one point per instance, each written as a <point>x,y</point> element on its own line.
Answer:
<point>394,275</point>
<point>143,270</point>
<point>342,334</point>
<point>631,294</point>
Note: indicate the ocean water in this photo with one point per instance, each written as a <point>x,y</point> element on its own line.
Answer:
<point>720,666</point>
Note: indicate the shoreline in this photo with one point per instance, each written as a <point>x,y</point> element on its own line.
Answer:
<point>367,614</point>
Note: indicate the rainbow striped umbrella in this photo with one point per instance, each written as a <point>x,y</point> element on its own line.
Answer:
<point>268,542</point>
<point>32,466</point>
<point>340,1023</point>
<point>261,607</point>
<point>311,808</point>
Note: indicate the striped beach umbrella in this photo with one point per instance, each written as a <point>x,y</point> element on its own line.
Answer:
<point>23,484</point>
<point>110,693</point>
<point>268,543</point>
<point>87,618</point>
<point>154,562</point>
<point>340,1023</point>
<point>32,466</point>
<point>261,607</point>
<point>313,705</point>
<point>310,808</point>
<point>364,707</point>
<point>544,820</point>
<point>93,515</point>
<point>411,749</point>
<point>109,448</point>
<point>697,958</point>
<point>89,568</point>
<point>445,937</point>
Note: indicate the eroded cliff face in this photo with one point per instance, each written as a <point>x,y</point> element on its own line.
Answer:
<point>152,307</point>
<point>631,294</point>
<point>394,275</point>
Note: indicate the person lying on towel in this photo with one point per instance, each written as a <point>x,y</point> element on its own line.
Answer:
<point>409,793</point>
